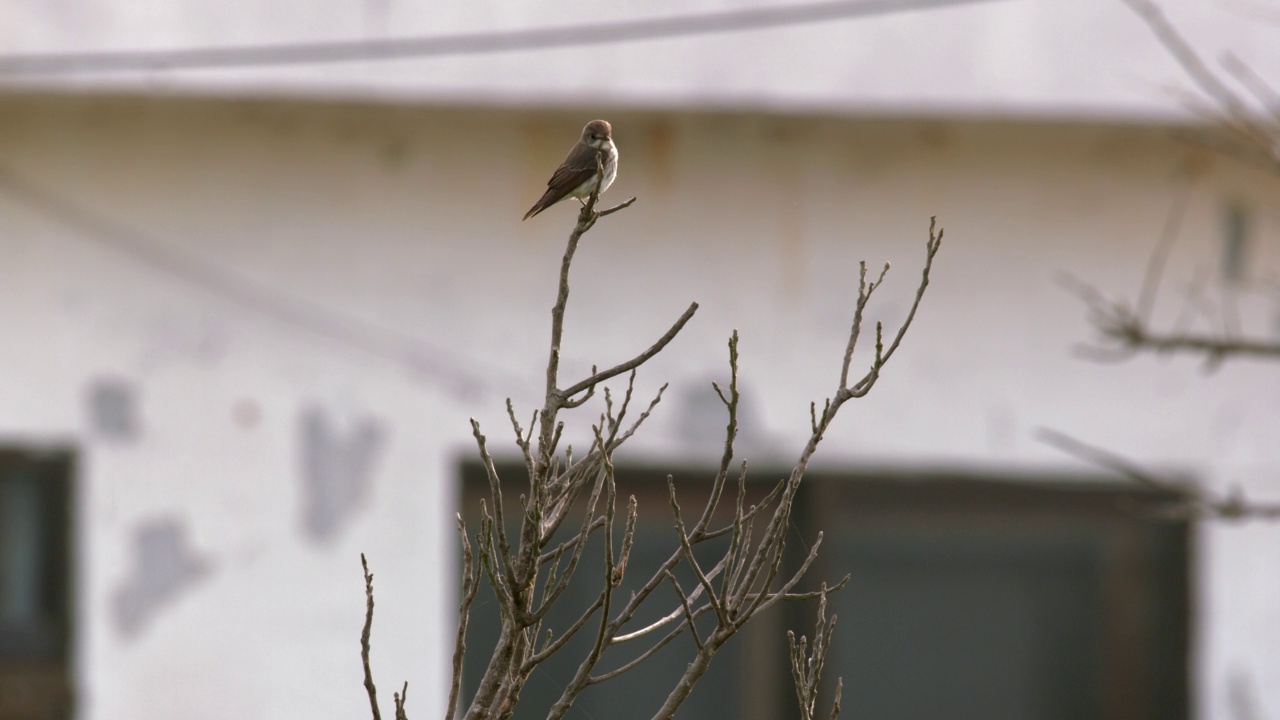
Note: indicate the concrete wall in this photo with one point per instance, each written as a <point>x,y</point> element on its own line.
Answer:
<point>362,284</point>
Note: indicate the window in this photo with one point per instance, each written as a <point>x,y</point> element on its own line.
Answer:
<point>35,581</point>
<point>970,597</point>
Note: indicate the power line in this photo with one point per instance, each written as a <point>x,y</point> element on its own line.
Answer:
<point>461,44</point>
<point>462,376</point>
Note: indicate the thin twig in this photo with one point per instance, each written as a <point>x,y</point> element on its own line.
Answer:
<point>806,667</point>
<point>400,698</point>
<point>551,648</point>
<point>674,614</point>
<point>636,361</point>
<point>1186,503</point>
<point>554,594</point>
<point>716,602</point>
<point>688,611</point>
<point>863,386</point>
<point>730,435</point>
<point>649,652</point>
<point>495,492</point>
<point>596,524</point>
<point>470,584</point>
<point>1160,256</point>
<point>369,687</point>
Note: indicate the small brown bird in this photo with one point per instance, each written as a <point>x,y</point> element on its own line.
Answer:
<point>576,177</point>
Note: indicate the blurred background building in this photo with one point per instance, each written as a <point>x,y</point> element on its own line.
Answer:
<point>251,291</point>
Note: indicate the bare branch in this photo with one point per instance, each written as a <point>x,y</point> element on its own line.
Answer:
<point>400,698</point>
<point>596,524</point>
<point>792,596</point>
<point>369,687</point>
<point>583,675</point>
<point>765,599</point>
<point>739,540</point>
<point>730,435</point>
<point>628,538</point>
<point>523,440</point>
<point>1262,91</point>
<point>565,636</point>
<point>554,398</point>
<point>570,404</point>
<point>640,420</point>
<point>863,386</point>
<point>674,614</point>
<point>1213,348</point>
<point>550,598</point>
<point>806,667</point>
<point>470,584</point>
<point>764,504</point>
<point>649,652</point>
<point>865,290</point>
<point>1190,502</point>
<point>634,362</point>
<point>1183,53</point>
<point>692,674</point>
<point>1160,256</point>
<point>1249,137</point>
<point>688,611</point>
<point>620,206</point>
<point>495,492</point>
<point>1129,333</point>
<point>717,603</point>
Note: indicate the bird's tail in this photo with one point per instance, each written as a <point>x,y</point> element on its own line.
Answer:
<point>547,200</point>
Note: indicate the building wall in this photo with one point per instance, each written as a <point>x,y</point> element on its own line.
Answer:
<point>265,292</point>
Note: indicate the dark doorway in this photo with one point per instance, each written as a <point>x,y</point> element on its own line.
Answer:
<point>35,583</point>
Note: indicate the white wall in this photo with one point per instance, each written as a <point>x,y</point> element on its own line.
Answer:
<point>409,221</point>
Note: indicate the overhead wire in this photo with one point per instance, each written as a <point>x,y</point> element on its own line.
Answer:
<point>474,43</point>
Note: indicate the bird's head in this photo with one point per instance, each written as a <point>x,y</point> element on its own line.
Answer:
<point>597,133</point>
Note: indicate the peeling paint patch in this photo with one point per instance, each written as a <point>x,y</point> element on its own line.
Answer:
<point>164,566</point>
<point>337,469</point>
<point>112,407</point>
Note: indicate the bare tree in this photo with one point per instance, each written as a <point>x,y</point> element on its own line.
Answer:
<point>1241,112</point>
<point>1242,121</point>
<point>530,570</point>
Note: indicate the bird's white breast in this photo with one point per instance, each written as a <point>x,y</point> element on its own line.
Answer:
<point>610,166</point>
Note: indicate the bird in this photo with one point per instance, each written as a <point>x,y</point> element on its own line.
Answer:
<point>576,177</point>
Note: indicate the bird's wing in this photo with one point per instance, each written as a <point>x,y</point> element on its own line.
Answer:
<point>578,167</point>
